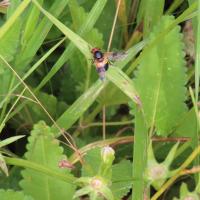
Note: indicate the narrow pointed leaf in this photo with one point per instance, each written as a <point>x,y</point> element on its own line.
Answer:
<point>75,111</point>
<point>123,82</point>
<point>13,18</point>
<point>3,165</point>
<point>81,44</point>
<point>84,29</point>
<point>10,140</point>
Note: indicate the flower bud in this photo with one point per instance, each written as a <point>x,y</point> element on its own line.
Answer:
<point>107,155</point>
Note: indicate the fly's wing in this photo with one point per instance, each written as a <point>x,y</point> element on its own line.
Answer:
<point>115,56</point>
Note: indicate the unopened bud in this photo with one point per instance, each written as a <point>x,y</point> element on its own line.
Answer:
<point>107,154</point>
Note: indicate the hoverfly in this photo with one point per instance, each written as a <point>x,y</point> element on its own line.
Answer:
<point>102,60</point>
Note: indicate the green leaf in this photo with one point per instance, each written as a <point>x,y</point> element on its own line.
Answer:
<point>29,49</point>
<point>10,194</point>
<point>92,36</point>
<point>3,166</point>
<point>113,94</point>
<point>92,160</point>
<point>81,44</point>
<point>161,78</point>
<point>84,28</point>
<point>121,179</point>
<point>150,12</point>
<point>123,82</point>
<point>187,127</point>
<point>10,140</point>
<point>13,18</point>
<point>55,108</point>
<point>75,111</point>
<point>67,177</point>
<point>141,141</point>
<point>44,149</point>
<point>31,23</point>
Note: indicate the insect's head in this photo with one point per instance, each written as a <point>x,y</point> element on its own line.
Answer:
<point>97,54</point>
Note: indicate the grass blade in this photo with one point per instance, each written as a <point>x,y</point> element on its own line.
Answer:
<point>86,27</point>
<point>10,140</point>
<point>13,18</point>
<point>75,111</point>
<point>123,82</point>
<point>81,44</point>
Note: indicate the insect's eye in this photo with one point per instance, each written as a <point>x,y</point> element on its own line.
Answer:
<point>98,54</point>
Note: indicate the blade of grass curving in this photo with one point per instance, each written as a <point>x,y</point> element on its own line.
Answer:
<point>29,49</point>
<point>13,18</point>
<point>31,23</point>
<point>5,119</point>
<point>73,113</point>
<point>124,83</point>
<point>81,44</point>
<point>10,140</point>
<point>86,27</point>
<point>33,68</point>
<point>40,168</point>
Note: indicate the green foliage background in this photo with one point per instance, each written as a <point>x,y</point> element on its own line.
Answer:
<point>51,99</point>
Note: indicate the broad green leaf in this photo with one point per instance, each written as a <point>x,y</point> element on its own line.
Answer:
<point>121,179</point>
<point>92,160</point>
<point>10,140</point>
<point>44,149</point>
<point>81,44</point>
<point>161,78</point>
<point>75,111</point>
<point>187,127</point>
<point>11,194</point>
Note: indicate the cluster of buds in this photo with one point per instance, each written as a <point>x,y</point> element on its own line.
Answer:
<point>99,185</point>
